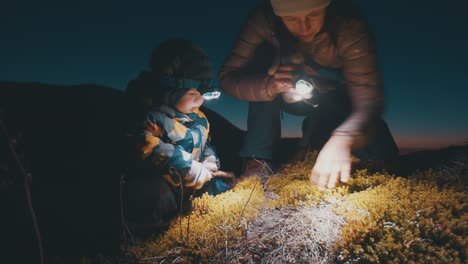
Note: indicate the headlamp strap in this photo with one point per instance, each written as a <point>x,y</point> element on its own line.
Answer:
<point>182,83</point>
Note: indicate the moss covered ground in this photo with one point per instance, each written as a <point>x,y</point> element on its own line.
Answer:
<point>377,217</point>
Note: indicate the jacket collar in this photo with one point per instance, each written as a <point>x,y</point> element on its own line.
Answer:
<point>172,113</point>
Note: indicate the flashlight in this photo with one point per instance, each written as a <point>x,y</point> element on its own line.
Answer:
<point>304,85</point>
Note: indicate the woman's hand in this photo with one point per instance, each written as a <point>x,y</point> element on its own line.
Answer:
<point>281,80</point>
<point>333,163</point>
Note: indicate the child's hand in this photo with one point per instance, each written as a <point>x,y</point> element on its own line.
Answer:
<point>210,163</point>
<point>210,166</point>
<point>224,174</point>
<point>197,176</point>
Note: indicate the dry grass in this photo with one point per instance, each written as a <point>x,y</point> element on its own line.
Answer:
<point>287,235</point>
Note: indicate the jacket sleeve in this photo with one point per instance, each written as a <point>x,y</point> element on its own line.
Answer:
<point>159,152</point>
<point>209,154</point>
<point>208,149</point>
<point>234,77</point>
<point>360,69</point>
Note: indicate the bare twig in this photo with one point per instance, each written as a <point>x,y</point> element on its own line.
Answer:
<point>28,192</point>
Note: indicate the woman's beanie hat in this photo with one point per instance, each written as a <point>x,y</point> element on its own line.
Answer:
<point>291,7</point>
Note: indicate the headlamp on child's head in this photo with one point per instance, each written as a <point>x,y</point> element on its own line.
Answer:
<point>205,87</point>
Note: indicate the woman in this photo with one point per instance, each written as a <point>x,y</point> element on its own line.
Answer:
<point>329,42</point>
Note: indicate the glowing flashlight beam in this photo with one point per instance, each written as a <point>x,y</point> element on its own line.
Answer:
<point>212,95</point>
<point>303,87</point>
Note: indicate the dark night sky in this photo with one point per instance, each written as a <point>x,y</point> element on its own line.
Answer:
<point>422,48</point>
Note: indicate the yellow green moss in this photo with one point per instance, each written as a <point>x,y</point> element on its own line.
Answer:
<point>403,221</point>
<point>388,219</point>
<point>214,222</point>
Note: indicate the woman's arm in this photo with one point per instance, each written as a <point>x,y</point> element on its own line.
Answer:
<point>234,77</point>
<point>360,69</point>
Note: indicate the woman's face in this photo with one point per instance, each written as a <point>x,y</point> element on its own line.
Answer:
<point>305,25</point>
<point>190,102</point>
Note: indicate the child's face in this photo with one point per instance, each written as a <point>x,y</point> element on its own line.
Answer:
<point>190,102</point>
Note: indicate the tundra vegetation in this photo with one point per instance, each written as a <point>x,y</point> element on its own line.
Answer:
<point>377,217</point>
